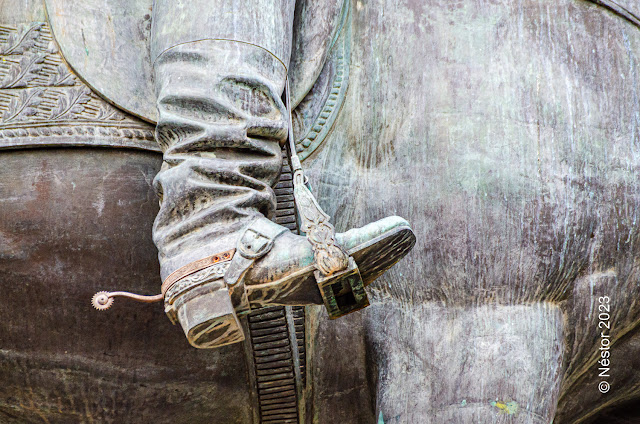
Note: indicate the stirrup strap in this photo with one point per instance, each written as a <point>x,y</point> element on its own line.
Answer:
<point>337,274</point>
<point>329,256</point>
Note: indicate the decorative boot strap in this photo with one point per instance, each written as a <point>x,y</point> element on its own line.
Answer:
<point>255,242</point>
<point>194,267</point>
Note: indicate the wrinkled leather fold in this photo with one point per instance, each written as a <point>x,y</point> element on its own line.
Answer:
<point>221,122</point>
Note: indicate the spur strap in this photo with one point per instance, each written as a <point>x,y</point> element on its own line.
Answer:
<point>195,266</point>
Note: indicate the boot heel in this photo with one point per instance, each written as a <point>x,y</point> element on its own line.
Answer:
<point>342,292</point>
<point>207,316</point>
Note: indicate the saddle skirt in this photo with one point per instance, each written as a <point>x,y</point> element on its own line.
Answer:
<point>106,43</point>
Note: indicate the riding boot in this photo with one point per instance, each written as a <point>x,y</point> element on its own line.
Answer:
<point>221,126</point>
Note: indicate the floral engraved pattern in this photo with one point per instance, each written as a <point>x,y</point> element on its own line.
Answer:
<point>61,77</point>
<point>23,105</point>
<point>21,74</point>
<point>71,103</point>
<point>19,40</point>
<point>208,274</point>
<point>329,256</point>
<point>43,102</point>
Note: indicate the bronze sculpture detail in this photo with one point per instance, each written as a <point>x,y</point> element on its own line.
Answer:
<point>219,112</point>
<point>506,132</point>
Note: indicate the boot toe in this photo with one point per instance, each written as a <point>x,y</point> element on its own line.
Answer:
<point>355,238</point>
<point>377,246</point>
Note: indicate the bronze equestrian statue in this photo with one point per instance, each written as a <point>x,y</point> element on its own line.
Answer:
<point>505,132</point>
<point>220,122</point>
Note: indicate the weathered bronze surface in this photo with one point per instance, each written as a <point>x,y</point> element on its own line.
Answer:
<point>72,221</point>
<point>99,40</point>
<point>506,132</point>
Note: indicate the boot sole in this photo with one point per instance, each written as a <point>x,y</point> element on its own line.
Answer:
<point>380,253</point>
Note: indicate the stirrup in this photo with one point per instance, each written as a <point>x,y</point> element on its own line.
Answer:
<point>336,274</point>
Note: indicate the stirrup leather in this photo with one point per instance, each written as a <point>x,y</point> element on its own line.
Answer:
<point>336,274</point>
